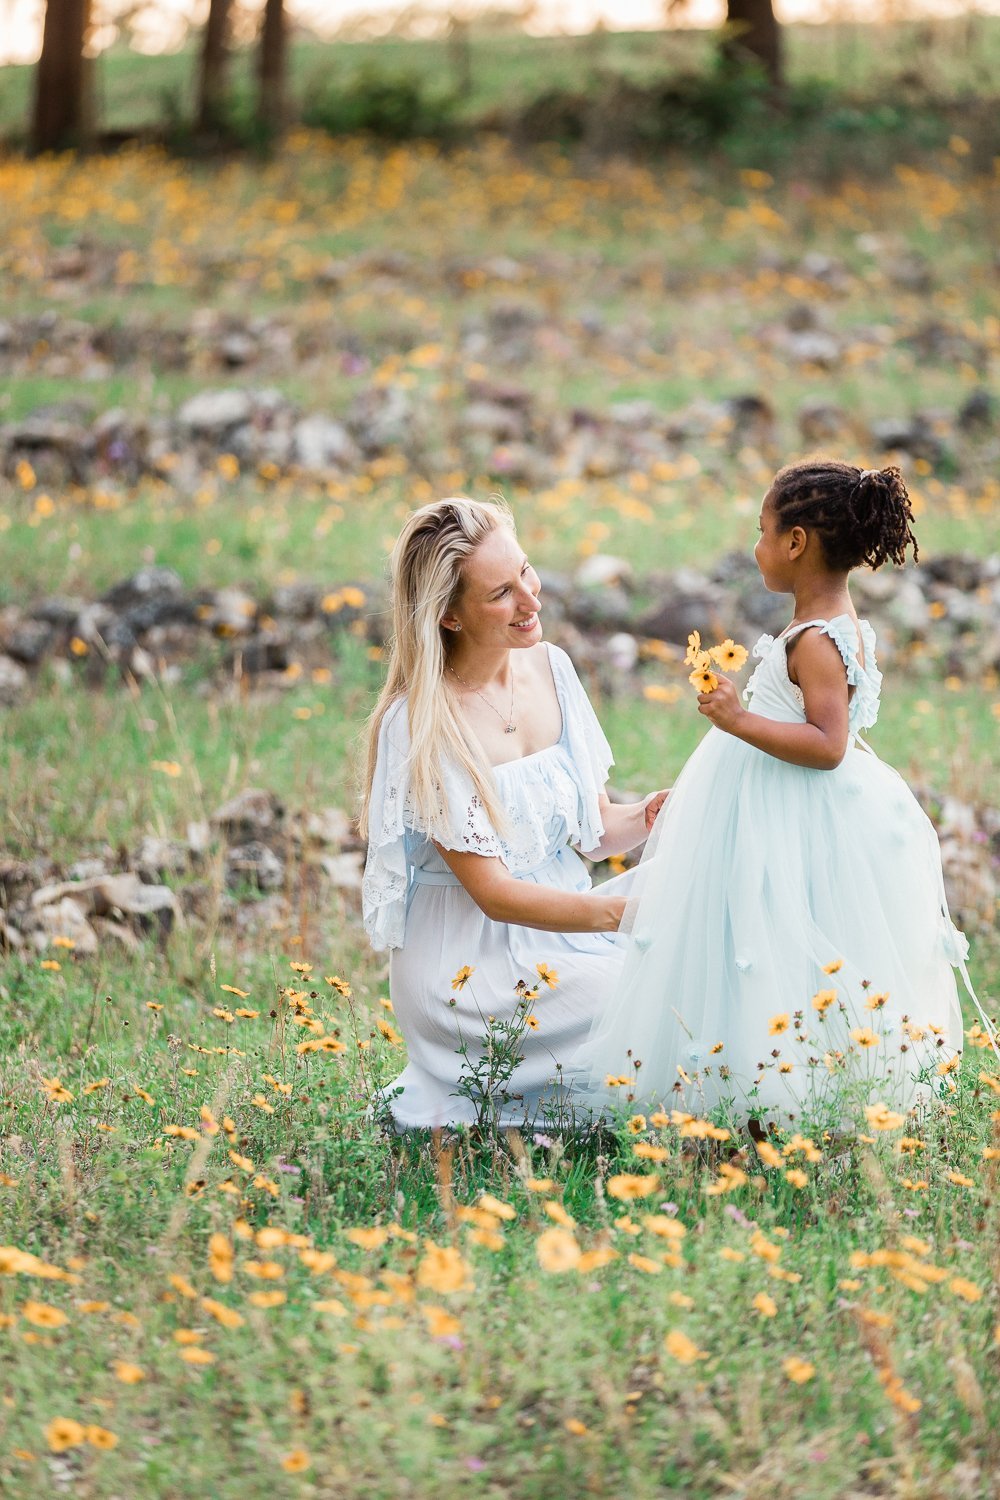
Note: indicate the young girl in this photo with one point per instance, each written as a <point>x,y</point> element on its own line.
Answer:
<point>788,922</point>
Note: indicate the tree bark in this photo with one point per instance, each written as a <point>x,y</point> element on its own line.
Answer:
<point>752,31</point>
<point>272,57</point>
<point>62,114</point>
<point>214,60</point>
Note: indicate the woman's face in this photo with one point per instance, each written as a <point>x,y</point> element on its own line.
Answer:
<point>498,604</point>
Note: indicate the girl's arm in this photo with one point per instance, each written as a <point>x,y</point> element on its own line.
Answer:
<point>821,742</point>
<point>503,899</point>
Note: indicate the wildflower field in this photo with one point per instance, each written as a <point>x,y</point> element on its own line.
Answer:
<point>218,1274</point>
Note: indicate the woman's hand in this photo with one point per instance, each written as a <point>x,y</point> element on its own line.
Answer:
<point>651,807</point>
<point>722,706</point>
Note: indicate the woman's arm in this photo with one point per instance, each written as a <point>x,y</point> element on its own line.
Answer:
<point>821,742</point>
<point>503,899</point>
<point>626,824</point>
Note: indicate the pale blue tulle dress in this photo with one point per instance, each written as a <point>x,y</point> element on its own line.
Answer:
<point>415,907</point>
<point>758,875</point>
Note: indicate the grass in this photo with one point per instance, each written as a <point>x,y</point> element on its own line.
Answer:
<point>438,1347</point>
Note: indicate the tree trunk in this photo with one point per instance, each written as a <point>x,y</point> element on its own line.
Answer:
<point>271,59</point>
<point>752,31</point>
<point>62,112</point>
<point>214,58</point>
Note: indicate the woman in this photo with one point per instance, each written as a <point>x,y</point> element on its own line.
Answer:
<point>485,763</point>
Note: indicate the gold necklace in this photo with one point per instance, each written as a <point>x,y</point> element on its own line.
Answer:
<point>509,727</point>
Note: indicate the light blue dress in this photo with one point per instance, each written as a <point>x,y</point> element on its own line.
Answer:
<point>758,876</point>
<point>414,906</point>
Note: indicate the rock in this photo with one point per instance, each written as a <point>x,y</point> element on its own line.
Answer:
<point>907,610</point>
<point>602,607</point>
<point>215,413</point>
<point>159,856</point>
<point>621,652</point>
<point>813,347</point>
<point>910,271</point>
<point>978,412</point>
<point>266,652</point>
<point>498,424</point>
<point>344,871</point>
<point>147,583</point>
<point>230,612</point>
<point>911,435</point>
<point>382,417</point>
<point>688,602</point>
<point>115,896</point>
<point>300,601</point>
<point>62,919</point>
<point>199,837</point>
<point>330,825</point>
<point>822,422</point>
<point>30,641</point>
<point>237,349</point>
<point>601,570</point>
<point>252,815</point>
<point>319,443</point>
<point>255,864</point>
<point>13,680</point>
<point>91,867</point>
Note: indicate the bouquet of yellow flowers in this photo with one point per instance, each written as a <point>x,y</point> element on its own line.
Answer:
<point>727,656</point>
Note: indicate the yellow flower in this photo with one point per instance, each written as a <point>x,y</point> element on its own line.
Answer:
<point>864,1036</point>
<point>266,1299</point>
<point>43,1315</point>
<point>796,1177</point>
<point>614,1081</point>
<point>531,1021</point>
<point>462,977</point>
<point>959,1179</point>
<point>127,1373</point>
<point>496,1206</point>
<point>637,1124</point>
<point>648,1152</point>
<point>967,1290</point>
<point>778,1024</point>
<point>823,999</point>
<point>694,650</point>
<point>547,975</point>
<point>728,655</point>
<point>63,1432</point>
<point>441,1324</point>
<point>644,1263</point>
<point>681,1348</point>
<point>765,1305</point>
<point>627,1186</point>
<point>227,1316</point>
<point>296,1461</point>
<point>100,1437</point>
<point>798,1370</point>
<point>834,967</point>
<point>881,1117</point>
<point>557,1250</point>
<point>444,1270</point>
<point>704,680</point>
<point>876,1002</point>
<point>576,1427</point>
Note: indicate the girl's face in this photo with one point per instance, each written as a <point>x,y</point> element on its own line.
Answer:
<point>499,603</point>
<point>775,551</point>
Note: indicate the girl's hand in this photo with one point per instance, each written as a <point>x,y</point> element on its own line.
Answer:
<point>652,806</point>
<point>722,706</point>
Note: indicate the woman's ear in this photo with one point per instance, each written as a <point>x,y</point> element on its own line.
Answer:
<point>448,622</point>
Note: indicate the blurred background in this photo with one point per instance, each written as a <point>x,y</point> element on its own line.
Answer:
<point>275,273</point>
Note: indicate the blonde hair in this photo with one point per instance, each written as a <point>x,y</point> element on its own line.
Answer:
<point>426,573</point>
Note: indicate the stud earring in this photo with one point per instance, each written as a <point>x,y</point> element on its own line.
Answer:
<point>456,627</point>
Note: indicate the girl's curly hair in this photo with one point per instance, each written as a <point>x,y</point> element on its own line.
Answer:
<point>860,515</point>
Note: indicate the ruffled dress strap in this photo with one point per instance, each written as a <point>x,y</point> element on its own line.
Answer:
<point>586,745</point>
<point>866,679</point>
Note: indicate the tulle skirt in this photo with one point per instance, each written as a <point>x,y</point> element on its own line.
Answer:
<point>789,935</point>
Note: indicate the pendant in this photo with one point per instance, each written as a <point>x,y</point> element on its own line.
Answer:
<point>510,729</point>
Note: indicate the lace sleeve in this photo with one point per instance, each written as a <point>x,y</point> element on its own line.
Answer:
<point>588,747</point>
<point>395,829</point>
<point>386,877</point>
